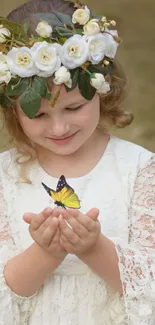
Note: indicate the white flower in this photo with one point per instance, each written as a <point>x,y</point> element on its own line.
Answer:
<point>44,29</point>
<point>46,58</point>
<point>62,75</point>
<point>74,52</point>
<point>20,62</point>
<point>96,47</point>
<point>92,27</point>
<point>110,44</point>
<point>5,75</point>
<point>4,32</point>
<point>99,83</point>
<point>81,16</point>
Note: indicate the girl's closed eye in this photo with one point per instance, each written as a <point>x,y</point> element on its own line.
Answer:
<point>74,108</point>
<point>40,115</point>
<point>68,109</point>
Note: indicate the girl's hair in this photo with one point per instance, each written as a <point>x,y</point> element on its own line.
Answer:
<point>111,110</point>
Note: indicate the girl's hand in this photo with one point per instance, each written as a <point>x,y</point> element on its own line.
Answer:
<point>83,232</point>
<point>45,231</point>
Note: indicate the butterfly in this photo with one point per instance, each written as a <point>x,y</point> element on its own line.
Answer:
<point>64,196</point>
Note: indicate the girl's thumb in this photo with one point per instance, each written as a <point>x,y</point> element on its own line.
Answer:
<point>28,217</point>
<point>93,213</point>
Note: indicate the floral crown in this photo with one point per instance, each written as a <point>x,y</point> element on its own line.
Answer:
<point>75,50</point>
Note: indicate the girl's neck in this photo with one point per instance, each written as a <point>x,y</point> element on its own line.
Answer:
<point>77,164</point>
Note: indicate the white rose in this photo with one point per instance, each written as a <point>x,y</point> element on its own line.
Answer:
<point>99,83</point>
<point>96,47</point>
<point>81,16</point>
<point>44,29</point>
<point>110,44</point>
<point>5,75</point>
<point>92,27</point>
<point>20,62</point>
<point>74,52</point>
<point>4,32</point>
<point>46,58</point>
<point>62,75</point>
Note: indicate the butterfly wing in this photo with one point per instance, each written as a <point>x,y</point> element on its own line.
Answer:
<point>67,194</point>
<point>64,194</point>
<point>69,198</point>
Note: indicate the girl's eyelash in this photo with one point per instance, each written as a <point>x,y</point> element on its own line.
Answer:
<point>74,109</point>
<point>39,115</point>
<point>69,108</point>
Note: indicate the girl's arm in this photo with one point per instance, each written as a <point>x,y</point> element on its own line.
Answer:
<point>26,272</point>
<point>103,260</point>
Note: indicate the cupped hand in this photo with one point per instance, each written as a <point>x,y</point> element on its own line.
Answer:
<point>79,232</point>
<point>44,230</point>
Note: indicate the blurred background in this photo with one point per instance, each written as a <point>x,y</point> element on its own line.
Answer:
<point>135,23</point>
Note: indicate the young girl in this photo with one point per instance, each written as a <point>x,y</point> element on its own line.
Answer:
<point>77,205</point>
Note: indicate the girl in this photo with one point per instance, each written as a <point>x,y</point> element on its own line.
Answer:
<point>90,258</point>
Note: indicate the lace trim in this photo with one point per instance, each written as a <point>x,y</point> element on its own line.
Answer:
<point>137,261</point>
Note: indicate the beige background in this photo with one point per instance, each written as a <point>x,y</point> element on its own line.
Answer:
<point>135,22</point>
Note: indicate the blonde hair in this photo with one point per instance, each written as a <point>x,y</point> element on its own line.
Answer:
<point>112,113</point>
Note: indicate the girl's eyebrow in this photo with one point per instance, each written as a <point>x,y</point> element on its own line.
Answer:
<point>79,102</point>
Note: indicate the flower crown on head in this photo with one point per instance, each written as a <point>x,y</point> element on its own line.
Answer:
<point>75,50</point>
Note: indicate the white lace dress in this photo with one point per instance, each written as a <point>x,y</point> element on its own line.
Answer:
<point>122,186</point>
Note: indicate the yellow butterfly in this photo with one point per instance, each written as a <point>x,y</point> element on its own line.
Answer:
<point>64,196</point>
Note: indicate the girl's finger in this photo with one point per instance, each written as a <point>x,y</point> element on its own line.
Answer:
<point>78,228</point>
<point>50,231</point>
<point>69,233</point>
<point>66,244</point>
<point>37,219</point>
<point>83,219</point>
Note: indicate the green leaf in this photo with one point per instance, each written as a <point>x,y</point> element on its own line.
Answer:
<point>74,75</point>
<point>39,85</point>
<point>86,89</point>
<point>15,29</point>
<point>95,16</point>
<point>30,102</point>
<point>50,18</point>
<point>64,32</point>
<point>6,102</point>
<point>97,69</point>
<point>25,26</point>
<point>16,86</point>
<point>64,18</point>
<point>79,31</point>
<point>48,94</point>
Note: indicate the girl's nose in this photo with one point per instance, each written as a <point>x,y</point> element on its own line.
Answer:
<point>58,126</point>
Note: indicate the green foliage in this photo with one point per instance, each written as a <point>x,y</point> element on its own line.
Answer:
<point>39,84</point>
<point>16,29</point>
<point>30,102</point>
<point>16,86</point>
<point>86,89</point>
<point>5,102</point>
<point>97,68</point>
<point>74,75</point>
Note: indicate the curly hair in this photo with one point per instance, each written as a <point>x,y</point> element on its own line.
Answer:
<point>112,113</point>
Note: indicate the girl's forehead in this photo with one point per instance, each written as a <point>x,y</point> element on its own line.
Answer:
<point>71,97</point>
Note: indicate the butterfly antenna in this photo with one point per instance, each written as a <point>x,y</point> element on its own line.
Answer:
<point>48,189</point>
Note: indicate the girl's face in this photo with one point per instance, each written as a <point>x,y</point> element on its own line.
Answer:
<point>64,128</point>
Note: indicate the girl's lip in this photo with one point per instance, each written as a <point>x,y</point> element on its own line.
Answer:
<point>62,141</point>
<point>62,138</point>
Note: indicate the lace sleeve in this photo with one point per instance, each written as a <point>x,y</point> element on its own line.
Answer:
<point>137,260</point>
<point>14,310</point>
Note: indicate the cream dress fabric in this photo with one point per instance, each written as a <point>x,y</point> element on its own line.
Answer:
<point>122,186</point>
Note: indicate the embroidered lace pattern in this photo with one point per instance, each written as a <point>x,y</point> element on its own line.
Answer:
<point>14,309</point>
<point>137,261</point>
